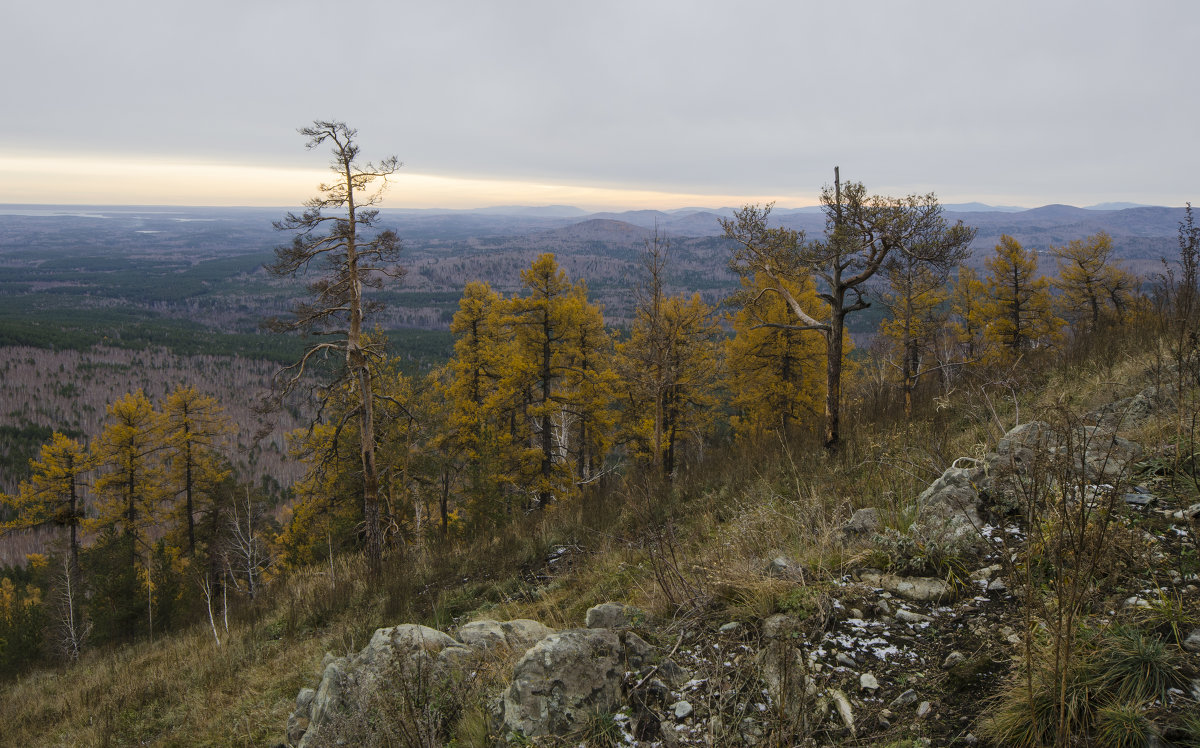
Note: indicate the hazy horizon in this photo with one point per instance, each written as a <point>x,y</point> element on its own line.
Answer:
<point>624,105</point>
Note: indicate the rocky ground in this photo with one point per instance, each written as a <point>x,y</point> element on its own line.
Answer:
<point>875,657</point>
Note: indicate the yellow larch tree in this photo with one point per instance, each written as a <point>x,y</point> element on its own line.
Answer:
<point>1019,306</point>
<point>1092,288</point>
<point>195,427</point>
<point>775,371</point>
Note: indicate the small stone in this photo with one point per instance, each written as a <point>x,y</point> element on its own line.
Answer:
<point>1192,512</point>
<point>908,616</point>
<point>843,708</point>
<point>953,659</point>
<point>883,608</point>
<point>863,522</point>
<point>904,699</point>
<point>613,616</point>
<point>997,585</point>
<point>856,613</point>
<point>779,566</point>
<point>730,629</point>
<point>682,709</point>
<point>924,709</point>
<point>985,574</point>
<point>1192,642</point>
<point>846,660</point>
<point>970,739</point>
<point>1136,602</point>
<point>868,682</point>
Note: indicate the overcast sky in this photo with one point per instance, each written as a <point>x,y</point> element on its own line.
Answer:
<point>602,104</point>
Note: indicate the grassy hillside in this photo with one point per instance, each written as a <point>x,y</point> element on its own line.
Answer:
<point>696,554</point>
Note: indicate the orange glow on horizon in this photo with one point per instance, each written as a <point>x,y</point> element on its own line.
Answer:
<point>110,180</point>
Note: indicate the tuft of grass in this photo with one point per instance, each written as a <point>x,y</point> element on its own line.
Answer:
<point>1122,725</point>
<point>1134,667</point>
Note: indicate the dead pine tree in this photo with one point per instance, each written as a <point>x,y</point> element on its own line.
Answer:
<point>339,228</point>
<point>861,232</point>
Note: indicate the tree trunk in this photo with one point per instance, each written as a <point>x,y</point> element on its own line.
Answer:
<point>833,381</point>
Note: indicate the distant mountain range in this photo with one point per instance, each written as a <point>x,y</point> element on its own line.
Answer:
<point>1142,234</point>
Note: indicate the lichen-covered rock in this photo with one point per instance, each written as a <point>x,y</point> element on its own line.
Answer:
<point>568,677</point>
<point>948,511</point>
<point>329,698</point>
<point>405,638</point>
<point>518,635</point>
<point>613,616</point>
<point>299,719</point>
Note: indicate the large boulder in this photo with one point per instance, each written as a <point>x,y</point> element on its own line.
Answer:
<point>408,651</point>
<point>568,677</point>
<point>949,509</point>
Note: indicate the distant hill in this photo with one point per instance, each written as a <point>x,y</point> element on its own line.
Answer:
<point>598,230</point>
<point>1118,206</point>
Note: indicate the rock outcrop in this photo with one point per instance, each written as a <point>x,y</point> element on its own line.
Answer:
<point>561,680</point>
<point>407,650</point>
<point>570,676</point>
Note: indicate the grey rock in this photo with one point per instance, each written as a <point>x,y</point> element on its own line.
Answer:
<point>483,634</point>
<point>329,699</point>
<point>953,659</point>
<point>882,608</point>
<point>997,585</point>
<point>908,616</point>
<point>614,616</point>
<point>733,628</point>
<point>523,633</point>
<point>918,589</point>
<point>781,566</point>
<point>924,709</point>
<point>846,660</point>
<point>863,522</point>
<point>405,638</point>
<point>298,722</point>
<point>1131,411</point>
<point>784,670</point>
<point>568,676</point>
<point>904,699</point>
<point>1139,499</point>
<point>842,704</point>
<point>948,510</point>
<point>343,679</point>
<point>781,626</point>
<point>681,710</point>
<point>518,635</point>
<point>856,613</point>
<point>1105,456</point>
<point>868,682</point>
<point>670,671</point>
<point>1192,642</point>
<point>986,573</point>
<point>1192,512</point>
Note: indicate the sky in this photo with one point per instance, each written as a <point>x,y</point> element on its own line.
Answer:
<point>604,105</point>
